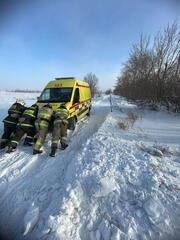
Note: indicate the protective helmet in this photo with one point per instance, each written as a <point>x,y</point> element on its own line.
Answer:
<point>20,101</point>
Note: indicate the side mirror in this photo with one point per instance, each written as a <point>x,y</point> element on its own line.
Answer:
<point>38,99</point>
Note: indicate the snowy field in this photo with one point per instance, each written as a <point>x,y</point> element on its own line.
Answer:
<point>109,184</point>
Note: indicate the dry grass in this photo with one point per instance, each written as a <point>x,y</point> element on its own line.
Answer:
<point>128,121</point>
<point>123,125</point>
<point>132,117</point>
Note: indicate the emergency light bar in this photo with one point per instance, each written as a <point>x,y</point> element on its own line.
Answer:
<point>64,78</point>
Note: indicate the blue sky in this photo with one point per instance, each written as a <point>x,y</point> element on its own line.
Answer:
<point>43,39</point>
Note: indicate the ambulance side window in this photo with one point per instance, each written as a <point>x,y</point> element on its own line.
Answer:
<point>76,96</point>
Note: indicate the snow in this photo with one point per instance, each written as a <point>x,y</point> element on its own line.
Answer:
<point>109,184</point>
<point>30,218</point>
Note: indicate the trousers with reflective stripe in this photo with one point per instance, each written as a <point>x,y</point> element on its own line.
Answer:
<point>9,130</point>
<point>20,132</point>
<point>59,133</point>
<point>39,124</point>
<point>42,131</point>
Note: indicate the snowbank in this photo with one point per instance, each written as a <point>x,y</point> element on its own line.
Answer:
<point>108,184</point>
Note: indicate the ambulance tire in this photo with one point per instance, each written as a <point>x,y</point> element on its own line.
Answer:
<point>89,112</point>
<point>71,123</point>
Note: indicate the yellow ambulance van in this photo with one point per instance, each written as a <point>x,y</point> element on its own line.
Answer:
<point>75,94</point>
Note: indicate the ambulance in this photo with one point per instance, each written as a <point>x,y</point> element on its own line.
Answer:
<point>75,94</point>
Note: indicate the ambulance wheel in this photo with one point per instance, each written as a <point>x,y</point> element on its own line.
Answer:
<point>72,123</point>
<point>89,112</point>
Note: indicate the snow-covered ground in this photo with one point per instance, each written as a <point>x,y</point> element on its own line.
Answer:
<point>109,184</point>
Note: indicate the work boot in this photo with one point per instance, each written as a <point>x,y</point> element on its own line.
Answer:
<point>53,152</point>
<point>3,145</point>
<point>11,149</point>
<point>37,151</point>
<point>64,145</point>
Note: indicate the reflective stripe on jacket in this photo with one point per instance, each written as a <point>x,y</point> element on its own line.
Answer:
<point>28,117</point>
<point>61,114</point>
<point>30,112</point>
<point>45,113</point>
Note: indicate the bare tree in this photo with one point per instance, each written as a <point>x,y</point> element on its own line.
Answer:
<point>166,51</point>
<point>152,71</point>
<point>93,82</point>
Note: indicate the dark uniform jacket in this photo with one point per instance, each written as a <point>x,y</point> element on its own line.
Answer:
<point>28,117</point>
<point>14,113</point>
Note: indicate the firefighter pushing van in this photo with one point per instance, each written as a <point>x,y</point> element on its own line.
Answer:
<point>59,131</point>
<point>26,125</point>
<point>10,122</point>
<point>42,125</point>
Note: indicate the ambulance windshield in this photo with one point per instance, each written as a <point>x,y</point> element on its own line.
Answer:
<point>56,95</point>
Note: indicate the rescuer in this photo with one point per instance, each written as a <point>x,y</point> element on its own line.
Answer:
<point>42,125</point>
<point>59,129</point>
<point>10,122</point>
<point>26,125</point>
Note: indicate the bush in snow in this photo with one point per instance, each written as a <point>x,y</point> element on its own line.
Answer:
<point>123,125</point>
<point>128,121</point>
<point>132,117</point>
